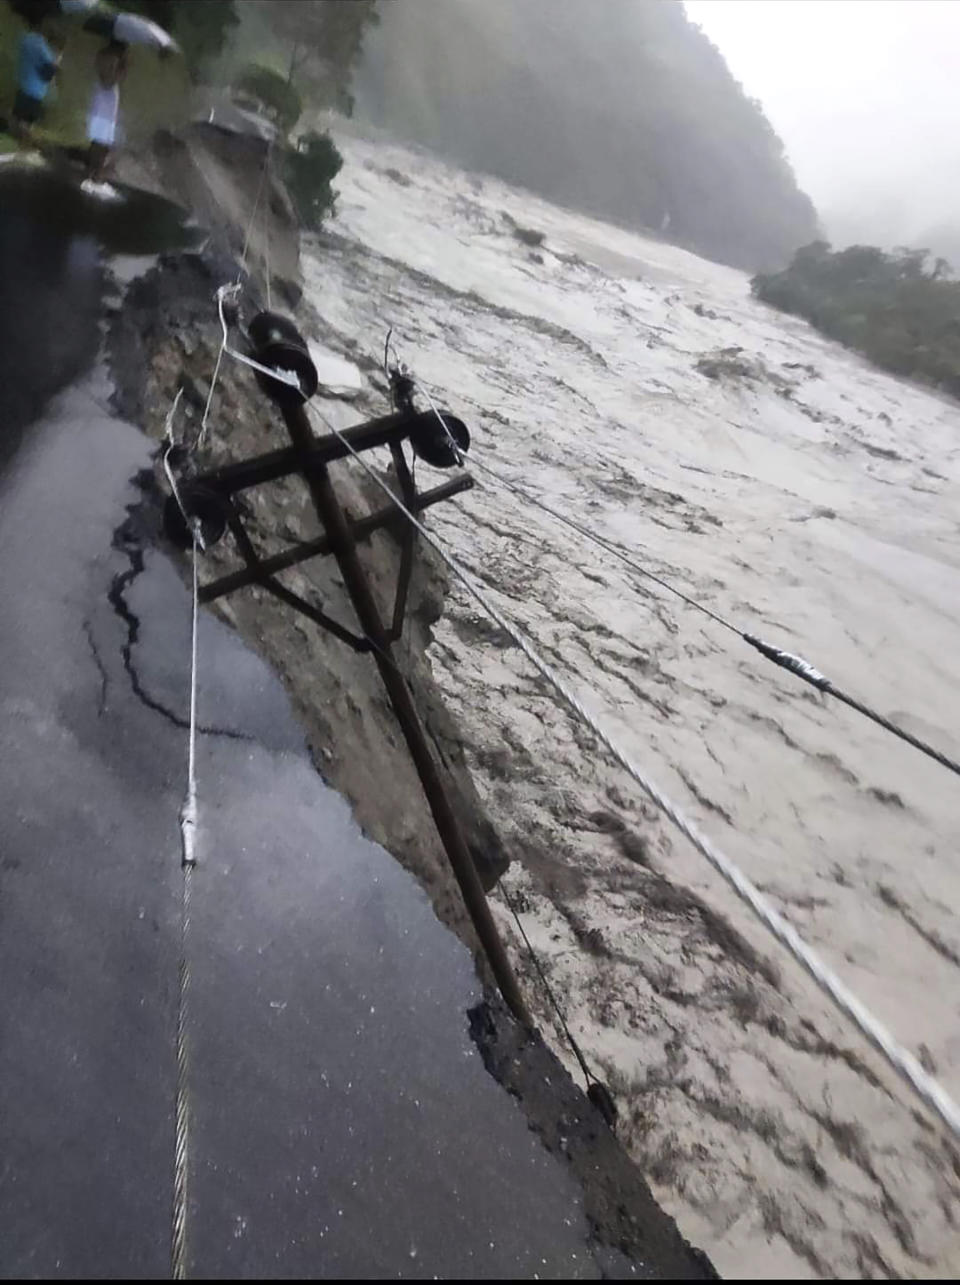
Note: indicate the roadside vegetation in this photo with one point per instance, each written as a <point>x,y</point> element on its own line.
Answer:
<point>310,161</point>
<point>306,52</point>
<point>309,170</point>
<point>900,308</point>
<point>273,92</point>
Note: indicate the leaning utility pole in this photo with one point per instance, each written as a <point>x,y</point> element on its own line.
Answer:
<point>208,498</point>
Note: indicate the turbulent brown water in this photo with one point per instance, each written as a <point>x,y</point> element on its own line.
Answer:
<point>812,499</point>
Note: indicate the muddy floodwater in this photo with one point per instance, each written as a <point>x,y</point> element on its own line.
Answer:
<point>813,500</point>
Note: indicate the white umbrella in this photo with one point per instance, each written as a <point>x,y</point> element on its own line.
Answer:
<point>128,28</point>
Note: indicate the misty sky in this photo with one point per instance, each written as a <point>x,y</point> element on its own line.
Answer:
<point>866,97</point>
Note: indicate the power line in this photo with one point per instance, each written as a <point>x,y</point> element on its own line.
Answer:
<point>898,1057</point>
<point>597,1091</point>
<point>603,544</point>
<point>548,989</point>
<point>794,664</point>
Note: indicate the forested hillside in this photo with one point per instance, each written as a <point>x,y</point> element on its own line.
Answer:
<point>624,110</point>
<point>899,308</point>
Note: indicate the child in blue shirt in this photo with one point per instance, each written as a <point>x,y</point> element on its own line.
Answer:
<point>39,62</point>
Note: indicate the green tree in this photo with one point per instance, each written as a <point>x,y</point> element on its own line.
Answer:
<point>896,307</point>
<point>323,40</point>
<point>309,170</point>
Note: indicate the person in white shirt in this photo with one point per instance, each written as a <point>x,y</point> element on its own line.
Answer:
<point>104,109</point>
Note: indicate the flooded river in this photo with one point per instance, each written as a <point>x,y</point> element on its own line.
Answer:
<point>813,500</point>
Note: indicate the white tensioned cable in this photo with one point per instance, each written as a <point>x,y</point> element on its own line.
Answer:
<point>283,376</point>
<point>188,860</point>
<point>171,446</point>
<point>253,213</point>
<point>902,1060</point>
<point>222,292</point>
<point>266,246</point>
<point>188,810</point>
<point>233,289</point>
<point>188,815</point>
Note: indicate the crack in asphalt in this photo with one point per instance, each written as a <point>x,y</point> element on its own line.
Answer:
<point>101,669</point>
<point>131,549</point>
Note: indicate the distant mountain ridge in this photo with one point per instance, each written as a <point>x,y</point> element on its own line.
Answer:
<point>623,110</point>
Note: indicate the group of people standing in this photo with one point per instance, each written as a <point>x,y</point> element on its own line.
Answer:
<point>39,62</point>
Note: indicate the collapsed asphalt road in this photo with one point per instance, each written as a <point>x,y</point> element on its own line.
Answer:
<point>343,1121</point>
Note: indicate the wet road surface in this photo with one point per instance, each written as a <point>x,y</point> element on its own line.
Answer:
<point>342,1121</point>
<point>51,280</point>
